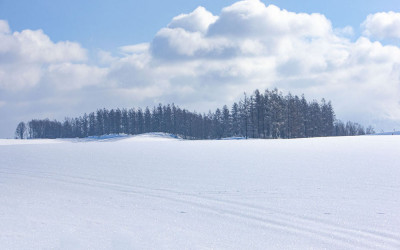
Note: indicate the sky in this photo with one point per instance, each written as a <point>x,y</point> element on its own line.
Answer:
<point>64,58</point>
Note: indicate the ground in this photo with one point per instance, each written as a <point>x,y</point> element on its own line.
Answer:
<point>158,192</point>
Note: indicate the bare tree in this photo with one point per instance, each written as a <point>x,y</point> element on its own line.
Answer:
<point>20,131</point>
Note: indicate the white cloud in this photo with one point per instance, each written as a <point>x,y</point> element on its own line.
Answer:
<point>345,31</point>
<point>247,28</point>
<point>33,46</point>
<point>178,43</point>
<point>197,21</point>
<point>135,49</point>
<point>382,25</point>
<point>4,27</point>
<point>24,55</point>
<point>253,19</point>
<point>68,76</point>
<point>105,57</point>
<point>17,76</point>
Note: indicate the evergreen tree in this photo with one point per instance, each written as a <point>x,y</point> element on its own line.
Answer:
<point>235,120</point>
<point>85,125</point>
<point>124,121</point>
<point>132,121</point>
<point>147,120</point>
<point>92,124</point>
<point>226,122</point>
<point>140,121</point>
<point>117,121</point>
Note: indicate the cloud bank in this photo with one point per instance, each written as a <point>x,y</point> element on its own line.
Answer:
<point>201,61</point>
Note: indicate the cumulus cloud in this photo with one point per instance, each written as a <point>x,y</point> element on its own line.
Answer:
<point>202,61</point>
<point>253,19</point>
<point>382,25</point>
<point>24,55</point>
<point>197,21</point>
<point>33,46</point>
<point>247,28</point>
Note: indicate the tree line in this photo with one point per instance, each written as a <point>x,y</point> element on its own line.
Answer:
<point>260,115</point>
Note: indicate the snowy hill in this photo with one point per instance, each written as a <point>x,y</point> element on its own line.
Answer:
<point>155,191</point>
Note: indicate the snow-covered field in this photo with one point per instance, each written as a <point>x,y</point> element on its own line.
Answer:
<point>157,192</point>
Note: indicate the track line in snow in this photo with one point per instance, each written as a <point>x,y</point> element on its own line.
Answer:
<point>260,216</point>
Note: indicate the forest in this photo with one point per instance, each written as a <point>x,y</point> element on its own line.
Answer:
<point>268,115</point>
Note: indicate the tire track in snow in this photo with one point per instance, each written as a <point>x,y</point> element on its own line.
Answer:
<point>261,209</point>
<point>258,215</point>
<point>317,221</point>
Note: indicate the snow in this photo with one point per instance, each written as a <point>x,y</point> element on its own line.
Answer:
<point>155,191</point>
<point>4,142</point>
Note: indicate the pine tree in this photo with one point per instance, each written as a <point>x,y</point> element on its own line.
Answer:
<point>124,121</point>
<point>92,124</point>
<point>132,121</point>
<point>140,121</point>
<point>235,120</point>
<point>117,121</point>
<point>147,120</point>
<point>85,125</point>
<point>226,122</point>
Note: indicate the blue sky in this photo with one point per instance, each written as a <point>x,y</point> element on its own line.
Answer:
<point>65,58</point>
